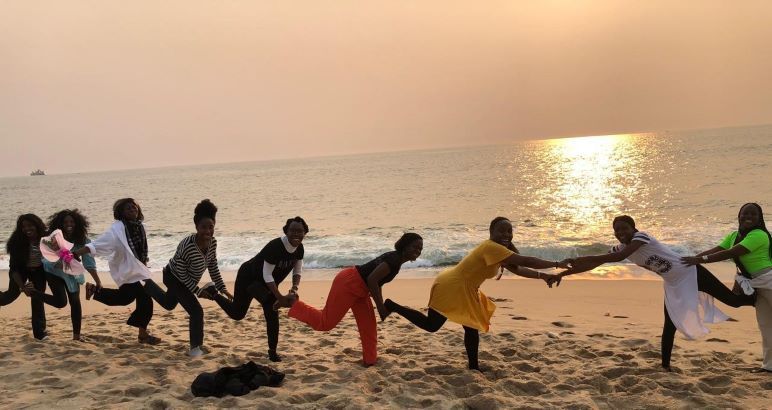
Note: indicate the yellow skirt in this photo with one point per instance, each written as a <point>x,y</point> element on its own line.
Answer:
<point>461,302</point>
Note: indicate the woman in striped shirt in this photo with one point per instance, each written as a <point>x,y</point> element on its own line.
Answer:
<point>196,253</point>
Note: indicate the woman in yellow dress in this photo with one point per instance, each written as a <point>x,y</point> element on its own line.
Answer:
<point>455,294</point>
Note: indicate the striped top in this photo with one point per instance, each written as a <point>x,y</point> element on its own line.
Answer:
<point>189,263</point>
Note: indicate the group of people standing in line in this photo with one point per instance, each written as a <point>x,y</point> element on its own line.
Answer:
<point>455,294</point>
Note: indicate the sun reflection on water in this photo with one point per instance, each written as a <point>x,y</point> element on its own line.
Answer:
<point>592,176</point>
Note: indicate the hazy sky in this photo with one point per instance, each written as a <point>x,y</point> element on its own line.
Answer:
<point>90,85</point>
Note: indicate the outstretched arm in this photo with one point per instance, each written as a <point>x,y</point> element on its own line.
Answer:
<point>533,262</point>
<point>587,263</point>
<point>716,254</point>
<point>373,284</point>
<point>531,274</point>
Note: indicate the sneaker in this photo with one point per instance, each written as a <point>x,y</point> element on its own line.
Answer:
<point>196,352</point>
<point>207,291</point>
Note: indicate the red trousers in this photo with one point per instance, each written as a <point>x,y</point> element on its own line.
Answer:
<point>348,291</point>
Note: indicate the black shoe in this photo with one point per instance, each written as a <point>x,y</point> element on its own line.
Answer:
<point>273,356</point>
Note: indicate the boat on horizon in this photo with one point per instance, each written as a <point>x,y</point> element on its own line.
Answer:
<point>37,172</point>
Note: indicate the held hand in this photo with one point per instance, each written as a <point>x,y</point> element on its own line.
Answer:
<point>53,245</point>
<point>228,295</point>
<point>565,263</point>
<point>557,278</point>
<point>28,289</point>
<point>691,260</point>
<point>383,313</point>
<point>553,279</point>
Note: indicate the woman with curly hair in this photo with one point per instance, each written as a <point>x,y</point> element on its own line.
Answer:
<point>74,227</point>
<point>26,273</point>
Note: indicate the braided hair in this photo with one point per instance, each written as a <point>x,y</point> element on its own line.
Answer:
<point>741,233</point>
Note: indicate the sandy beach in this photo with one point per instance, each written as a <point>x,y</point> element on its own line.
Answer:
<point>587,344</point>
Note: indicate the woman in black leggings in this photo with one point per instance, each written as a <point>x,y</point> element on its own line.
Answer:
<point>195,254</point>
<point>26,273</point>
<point>259,279</point>
<point>682,283</point>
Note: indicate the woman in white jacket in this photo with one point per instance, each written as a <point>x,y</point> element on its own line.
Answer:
<point>125,244</point>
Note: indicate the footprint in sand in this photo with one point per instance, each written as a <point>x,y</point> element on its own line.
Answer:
<point>562,324</point>
<point>649,354</point>
<point>519,318</point>
<point>530,388</point>
<point>633,342</point>
<point>624,356</point>
<point>412,375</point>
<point>586,354</point>
<point>621,317</point>
<point>715,339</point>
<point>159,404</point>
<point>499,299</point>
<point>525,367</point>
<point>716,381</point>
<point>615,372</point>
<point>443,369</point>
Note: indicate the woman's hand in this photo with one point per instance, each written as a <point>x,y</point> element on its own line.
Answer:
<point>551,279</point>
<point>28,289</point>
<point>691,260</point>
<point>228,295</point>
<point>383,312</point>
<point>556,279</point>
<point>53,245</point>
<point>565,263</point>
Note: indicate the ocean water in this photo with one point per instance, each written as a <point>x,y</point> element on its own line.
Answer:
<point>683,187</point>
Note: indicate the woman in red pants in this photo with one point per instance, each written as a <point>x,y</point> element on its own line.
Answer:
<point>352,289</point>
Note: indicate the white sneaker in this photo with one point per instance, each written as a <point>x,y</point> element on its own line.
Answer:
<point>196,352</point>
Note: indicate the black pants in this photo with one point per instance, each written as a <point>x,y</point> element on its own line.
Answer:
<point>123,296</point>
<point>249,287</point>
<point>709,284</point>
<point>433,321</point>
<point>38,277</point>
<point>176,293</point>
<point>76,312</point>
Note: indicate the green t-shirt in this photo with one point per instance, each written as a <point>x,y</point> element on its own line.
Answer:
<point>757,242</point>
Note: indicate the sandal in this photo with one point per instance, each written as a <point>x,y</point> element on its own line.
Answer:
<point>149,340</point>
<point>90,290</point>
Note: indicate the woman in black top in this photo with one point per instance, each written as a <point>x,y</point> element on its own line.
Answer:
<point>259,279</point>
<point>352,289</point>
<point>26,273</point>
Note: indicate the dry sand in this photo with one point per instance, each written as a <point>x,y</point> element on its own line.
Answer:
<point>587,344</point>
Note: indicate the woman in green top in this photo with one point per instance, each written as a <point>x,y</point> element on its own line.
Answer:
<point>749,246</point>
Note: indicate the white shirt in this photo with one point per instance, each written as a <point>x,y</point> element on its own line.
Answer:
<point>124,267</point>
<point>683,300</point>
